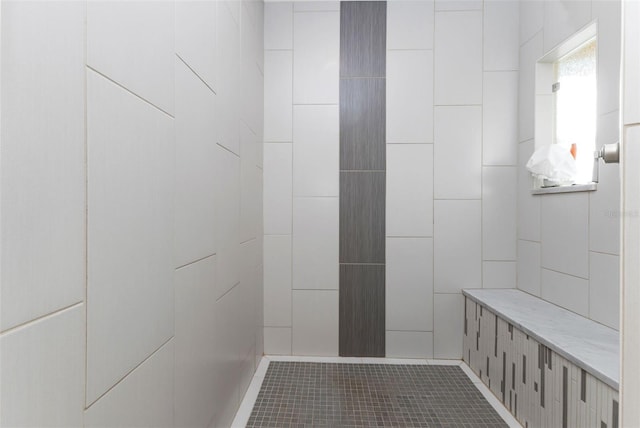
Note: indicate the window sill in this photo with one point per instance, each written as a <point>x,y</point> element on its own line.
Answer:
<point>589,187</point>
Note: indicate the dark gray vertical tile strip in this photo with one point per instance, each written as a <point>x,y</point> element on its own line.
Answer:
<point>524,369</point>
<point>583,385</point>
<point>565,396</point>
<point>614,415</point>
<point>362,178</point>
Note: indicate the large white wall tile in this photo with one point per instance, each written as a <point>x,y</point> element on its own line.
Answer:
<point>604,289</point>
<point>42,177</point>
<point>609,24</point>
<point>277,280</point>
<point>409,344</point>
<point>143,398</point>
<point>228,82</point>
<point>42,366</point>
<point>529,267</point>
<point>195,37</point>
<point>501,27</point>
<point>130,232</point>
<point>567,291</point>
<point>133,44</point>
<point>458,152</point>
<point>316,154</point>
<point>565,233</point>
<point>531,19</point>
<point>457,5</point>
<point>315,243</point>
<point>528,204</point>
<point>195,178</point>
<point>409,202</point>
<point>562,18</point>
<point>448,326</point>
<point>250,186</point>
<point>316,57</point>
<point>195,298</point>
<point>500,118</point>
<point>316,6</point>
<point>409,96</point>
<point>457,246</point>
<point>530,52</point>
<point>278,25</point>
<point>458,58</point>
<point>278,93</point>
<point>631,64</point>
<point>410,24</point>
<point>499,274</point>
<point>277,188</point>
<point>315,322</point>
<point>277,340</point>
<point>409,284</point>
<point>499,216</point>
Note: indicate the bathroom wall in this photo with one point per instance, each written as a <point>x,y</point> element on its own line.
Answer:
<point>131,216</point>
<point>568,244</point>
<point>451,170</point>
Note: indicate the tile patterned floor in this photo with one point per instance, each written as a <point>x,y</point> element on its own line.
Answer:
<point>308,394</point>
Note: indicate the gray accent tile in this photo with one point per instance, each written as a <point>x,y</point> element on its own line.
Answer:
<point>362,217</point>
<point>363,37</point>
<point>362,124</point>
<point>362,310</point>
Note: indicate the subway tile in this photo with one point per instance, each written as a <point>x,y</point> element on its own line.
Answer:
<point>362,217</point>
<point>277,280</point>
<point>42,366</point>
<point>531,19</point>
<point>409,190</point>
<point>316,6</point>
<point>229,85</point>
<point>448,326</point>
<point>565,233</point>
<point>363,34</point>
<point>194,236</point>
<point>315,322</point>
<point>458,58</point>
<point>499,215</point>
<point>458,5</point>
<point>501,26</point>
<point>608,16</point>
<point>530,52</point>
<point>195,37</point>
<point>409,344</point>
<point>568,291</point>
<point>529,267</point>
<point>457,152</point>
<point>143,398</point>
<point>528,204</point>
<point>114,37</point>
<point>277,340</point>
<point>499,274</point>
<point>362,125</point>
<point>315,150</point>
<point>604,289</point>
<point>409,96</point>
<point>278,25</point>
<point>562,18</point>
<point>43,169</point>
<point>457,245</point>
<point>410,24</point>
<point>500,118</point>
<point>277,188</point>
<point>278,96</point>
<point>315,243</point>
<point>409,284</point>
<point>362,310</point>
<point>194,343</point>
<point>130,152</point>
<point>316,53</point>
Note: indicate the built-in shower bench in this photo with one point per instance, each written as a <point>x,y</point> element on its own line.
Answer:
<point>549,366</point>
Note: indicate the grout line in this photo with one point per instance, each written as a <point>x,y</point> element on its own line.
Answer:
<point>130,91</point>
<point>228,291</point>
<point>563,273</point>
<point>195,261</point>
<point>229,150</point>
<point>196,74</point>
<point>40,318</point>
<point>86,218</point>
<point>248,240</point>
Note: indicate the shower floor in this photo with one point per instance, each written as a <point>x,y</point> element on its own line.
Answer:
<point>318,394</point>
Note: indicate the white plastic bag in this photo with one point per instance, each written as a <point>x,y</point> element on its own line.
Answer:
<point>553,163</point>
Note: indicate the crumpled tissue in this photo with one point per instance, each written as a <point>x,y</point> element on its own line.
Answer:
<point>554,163</point>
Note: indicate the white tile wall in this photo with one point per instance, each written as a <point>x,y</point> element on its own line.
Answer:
<point>567,291</point>
<point>409,96</point>
<point>528,204</point>
<point>457,246</point>
<point>42,366</point>
<point>250,185</point>
<point>409,203</point>
<point>315,243</point>
<point>529,267</point>
<point>458,152</point>
<point>499,195</point>
<point>631,67</point>
<point>500,118</point>
<point>115,37</point>
<point>604,289</point>
<point>458,5</point>
<point>42,267</point>
<point>278,96</point>
<point>316,48</point>
<point>448,326</point>
<point>409,344</point>
<point>130,232</point>
<point>277,188</point>
<point>607,14</point>
<point>277,280</point>
<point>501,26</point>
<point>562,18</point>
<point>458,57</point>
<point>410,24</point>
<point>316,6</point>
<point>499,274</point>
<point>315,322</point>
<point>277,340</point>
<point>278,25</point>
<point>531,19</point>
<point>195,152</point>
<point>228,79</point>
<point>409,284</point>
<point>530,52</point>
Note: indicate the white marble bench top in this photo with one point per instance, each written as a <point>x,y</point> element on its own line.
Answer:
<point>589,345</point>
